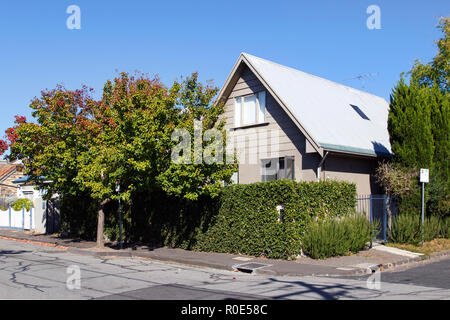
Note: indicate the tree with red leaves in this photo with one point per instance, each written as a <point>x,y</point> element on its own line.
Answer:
<point>85,146</point>
<point>11,135</point>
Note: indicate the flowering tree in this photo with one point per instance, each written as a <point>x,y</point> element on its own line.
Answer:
<point>51,147</point>
<point>11,135</point>
<point>134,145</point>
<point>85,146</point>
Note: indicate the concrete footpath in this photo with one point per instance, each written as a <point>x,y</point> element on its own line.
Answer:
<point>377,258</point>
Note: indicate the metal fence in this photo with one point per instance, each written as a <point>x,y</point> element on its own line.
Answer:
<point>376,207</point>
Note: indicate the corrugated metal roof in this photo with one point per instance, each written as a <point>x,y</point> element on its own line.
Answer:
<point>326,109</point>
<point>22,180</point>
<point>5,170</point>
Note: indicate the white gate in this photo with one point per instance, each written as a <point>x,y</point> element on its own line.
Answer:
<point>21,219</point>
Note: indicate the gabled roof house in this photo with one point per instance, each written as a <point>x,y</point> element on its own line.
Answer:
<point>288,124</point>
<point>9,171</point>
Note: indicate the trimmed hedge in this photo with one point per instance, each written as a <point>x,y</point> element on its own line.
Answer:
<point>249,223</point>
<point>337,237</point>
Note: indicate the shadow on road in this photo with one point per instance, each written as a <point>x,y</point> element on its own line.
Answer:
<point>7,252</point>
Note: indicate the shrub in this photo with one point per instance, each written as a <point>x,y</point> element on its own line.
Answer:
<point>407,228</point>
<point>445,227</point>
<point>337,237</point>
<point>18,205</point>
<point>432,228</point>
<point>249,223</point>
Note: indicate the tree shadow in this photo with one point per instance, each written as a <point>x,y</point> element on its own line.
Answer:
<point>9,252</point>
<point>381,150</point>
<point>326,291</point>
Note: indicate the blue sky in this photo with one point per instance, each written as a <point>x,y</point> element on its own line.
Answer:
<point>174,38</point>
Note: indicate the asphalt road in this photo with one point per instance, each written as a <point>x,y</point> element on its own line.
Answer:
<point>36,272</point>
<point>434,274</point>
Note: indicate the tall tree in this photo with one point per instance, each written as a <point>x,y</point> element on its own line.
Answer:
<point>419,125</point>
<point>409,125</point>
<point>83,146</point>
<point>11,136</point>
<point>134,146</point>
<point>436,72</point>
<point>63,130</point>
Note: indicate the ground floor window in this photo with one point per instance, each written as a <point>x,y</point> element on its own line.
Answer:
<point>277,168</point>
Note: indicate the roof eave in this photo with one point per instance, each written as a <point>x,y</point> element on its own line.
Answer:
<point>355,151</point>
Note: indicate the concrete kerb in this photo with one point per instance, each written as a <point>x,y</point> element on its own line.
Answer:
<point>86,252</point>
<point>262,271</point>
<point>211,264</point>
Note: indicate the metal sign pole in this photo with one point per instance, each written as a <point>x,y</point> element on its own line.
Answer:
<point>120,227</point>
<point>120,216</point>
<point>423,207</point>
<point>424,178</point>
<point>371,220</point>
<point>384,219</point>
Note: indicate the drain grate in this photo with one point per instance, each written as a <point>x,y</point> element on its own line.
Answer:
<point>250,267</point>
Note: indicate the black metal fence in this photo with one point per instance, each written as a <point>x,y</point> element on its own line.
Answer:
<point>377,208</point>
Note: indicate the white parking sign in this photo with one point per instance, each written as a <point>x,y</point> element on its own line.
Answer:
<point>424,175</point>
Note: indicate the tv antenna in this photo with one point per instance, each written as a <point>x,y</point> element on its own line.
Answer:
<point>362,77</point>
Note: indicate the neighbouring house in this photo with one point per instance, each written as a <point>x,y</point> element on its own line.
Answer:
<point>46,212</point>
<point>285,123</point>
<point>25,188</point>
<point>9,171</point>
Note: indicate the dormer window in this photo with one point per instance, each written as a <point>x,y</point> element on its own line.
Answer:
<point>250,109</point>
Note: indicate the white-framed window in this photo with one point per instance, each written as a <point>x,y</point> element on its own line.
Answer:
<point>277,168</point>
<point>250,109</point>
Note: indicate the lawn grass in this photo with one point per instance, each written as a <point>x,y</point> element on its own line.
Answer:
<point>429,247</point>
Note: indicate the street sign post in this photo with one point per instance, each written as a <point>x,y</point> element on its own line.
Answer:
<point>424,178</point>
<point>120,216</point>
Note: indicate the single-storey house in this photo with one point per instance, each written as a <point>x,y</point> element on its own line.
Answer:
<point>285,123</point>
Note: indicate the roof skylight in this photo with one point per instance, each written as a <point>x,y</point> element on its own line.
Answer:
<point>360,112</point>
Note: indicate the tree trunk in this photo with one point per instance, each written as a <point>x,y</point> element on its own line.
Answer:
<point>100,225</point>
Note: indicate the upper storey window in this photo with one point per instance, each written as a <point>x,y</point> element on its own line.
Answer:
<point>250,109</point>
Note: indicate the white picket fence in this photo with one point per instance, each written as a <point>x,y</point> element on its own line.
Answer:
<point>19,220</point>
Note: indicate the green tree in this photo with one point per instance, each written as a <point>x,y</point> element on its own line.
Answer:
<point>419,126</point>
<point>50,148</point>
<point>436,72</point>
<point>133,147</point>
<point>79,147</point>
<point>409,125</point>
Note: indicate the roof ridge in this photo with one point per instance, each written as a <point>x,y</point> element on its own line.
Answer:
<point>312,75</point>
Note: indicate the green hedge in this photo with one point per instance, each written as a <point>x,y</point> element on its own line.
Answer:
<point>248,221</point>
<point>337,237</point>
<point>20,203</point>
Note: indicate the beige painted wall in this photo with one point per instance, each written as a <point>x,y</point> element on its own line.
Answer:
<point>354,169</point>
<point>279,130</point>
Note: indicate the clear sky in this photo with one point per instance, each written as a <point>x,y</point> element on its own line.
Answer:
<point>172,38</point>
